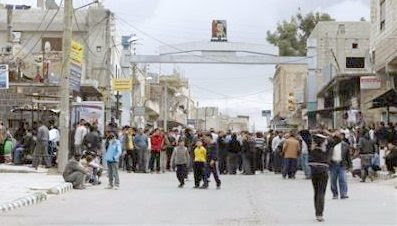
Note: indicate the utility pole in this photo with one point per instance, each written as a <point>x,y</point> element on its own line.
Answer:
<point>64,117</point>
<point>165,121</point>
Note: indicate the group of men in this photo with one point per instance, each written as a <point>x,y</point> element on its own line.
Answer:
<point>30,145</point>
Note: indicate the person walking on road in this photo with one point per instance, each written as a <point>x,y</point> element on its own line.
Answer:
<point>180,159</point>
<point>291,150</point>
<point>340,162</point>
<point>200,157</point>
<point>211,166</point>
<point>319,164</point>
<point>112,156</point>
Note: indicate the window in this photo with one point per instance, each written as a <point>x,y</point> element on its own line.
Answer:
<point>51,44</point>
<point>355,62</point>
<point>341,29</point>
<point>355,45</point>
<point>382,15</point>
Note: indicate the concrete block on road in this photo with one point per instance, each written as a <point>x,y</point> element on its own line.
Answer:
<point>60,189</point>
<point>24,201</point>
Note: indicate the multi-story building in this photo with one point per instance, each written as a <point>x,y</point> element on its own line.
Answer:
<point>168,97</point>
<point>383,52</point>
<point>338,60</point>
<point>288,94</point>
<point>31,44</point>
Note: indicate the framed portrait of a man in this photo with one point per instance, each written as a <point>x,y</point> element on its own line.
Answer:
<point>219,33</point>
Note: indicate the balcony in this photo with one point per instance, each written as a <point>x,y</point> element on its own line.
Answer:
<point>152,108</point>
<point>385,54</point>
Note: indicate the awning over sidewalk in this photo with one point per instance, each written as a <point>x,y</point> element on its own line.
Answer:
<point>387,99</point>
<point>326,110</point>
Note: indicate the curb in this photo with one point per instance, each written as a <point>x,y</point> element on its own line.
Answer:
<point>24,201</point>
<point>60,189</point>
<point>35,198</point>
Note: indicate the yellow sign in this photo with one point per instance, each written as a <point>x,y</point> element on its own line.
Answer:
<point>122,84</point>
<point>76,52</point>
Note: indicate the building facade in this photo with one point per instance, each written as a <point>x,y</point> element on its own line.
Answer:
<point>31,44</point>
<point>339,61</point>
<point>383,50</point>
<point>288,94</point>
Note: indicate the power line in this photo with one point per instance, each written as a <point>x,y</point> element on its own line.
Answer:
<point>42,33</point>
<point>166,44</point>
<point>31,36</point>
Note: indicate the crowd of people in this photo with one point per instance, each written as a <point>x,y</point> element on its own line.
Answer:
<point>319,153</point>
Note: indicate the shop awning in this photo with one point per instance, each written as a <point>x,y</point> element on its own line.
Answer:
<point>326,110</point>
<point>385,100</point>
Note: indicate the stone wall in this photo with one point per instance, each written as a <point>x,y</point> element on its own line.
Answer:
<point>15,97</point>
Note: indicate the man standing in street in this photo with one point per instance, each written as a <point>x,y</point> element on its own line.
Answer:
<point>3,132</point>
<point>211,166</point>
<point>366,149</point>
<point>141,144</point>
<point>290,151</point>
<point>79,135</point>
<point>276,148</point>
<point>340,162</point>
<point>92,141</point>
<point>41,150</point>
<point>131,156</point>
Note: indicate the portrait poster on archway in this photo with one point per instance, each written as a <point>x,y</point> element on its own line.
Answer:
<point>219,29</point>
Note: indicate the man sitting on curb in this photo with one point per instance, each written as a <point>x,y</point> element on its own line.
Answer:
<point>75,173</point>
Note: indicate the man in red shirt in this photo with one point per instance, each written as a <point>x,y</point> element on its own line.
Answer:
<point>157,142</point>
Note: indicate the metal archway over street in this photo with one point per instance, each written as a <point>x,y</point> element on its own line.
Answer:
<point>215,53</point>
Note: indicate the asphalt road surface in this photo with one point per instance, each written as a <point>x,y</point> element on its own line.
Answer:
<point>265,199</point>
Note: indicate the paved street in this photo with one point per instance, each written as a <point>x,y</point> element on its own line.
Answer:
<point>244,200</point>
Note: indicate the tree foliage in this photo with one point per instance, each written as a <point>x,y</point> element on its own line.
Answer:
<point>291,36</point>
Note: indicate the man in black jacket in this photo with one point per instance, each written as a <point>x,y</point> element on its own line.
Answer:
<point>212,159</point>
<point>232,158</point>
<point>340,162</point>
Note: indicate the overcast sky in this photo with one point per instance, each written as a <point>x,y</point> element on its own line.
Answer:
<point>236,89</point>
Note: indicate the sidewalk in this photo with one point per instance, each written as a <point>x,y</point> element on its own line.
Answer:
<point>22,186</point>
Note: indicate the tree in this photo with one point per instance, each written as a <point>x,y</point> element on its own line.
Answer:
<point>291,36</point>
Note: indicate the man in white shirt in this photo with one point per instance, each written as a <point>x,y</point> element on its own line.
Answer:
<point>79,135</point>
<point>340,162</point>
<point>276,145</point>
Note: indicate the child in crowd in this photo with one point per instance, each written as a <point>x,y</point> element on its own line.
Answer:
<point>180,159</point>
<point>112,157</point>
<point>94,168</point>
<point>356,162</point>
<point>200,157</point>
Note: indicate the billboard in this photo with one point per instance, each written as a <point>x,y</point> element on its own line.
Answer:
<point>91,111</point>
<point>122,84</point>
<point>370,82</point>
<point>75,77</point>
<point>219,31</point>
<point>76,52</point>
<point>4,76</point>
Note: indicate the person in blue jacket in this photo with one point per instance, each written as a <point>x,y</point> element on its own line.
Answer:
<point>112,156</point>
